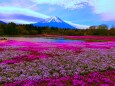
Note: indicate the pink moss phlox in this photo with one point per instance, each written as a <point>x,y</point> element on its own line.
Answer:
<point>94,78</point>
<point>105,38</point>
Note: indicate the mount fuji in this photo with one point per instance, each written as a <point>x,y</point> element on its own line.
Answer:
<point>54,22</point>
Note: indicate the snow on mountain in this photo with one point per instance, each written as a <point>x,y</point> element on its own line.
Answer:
<point>54,22</point>
<point>54,19</point>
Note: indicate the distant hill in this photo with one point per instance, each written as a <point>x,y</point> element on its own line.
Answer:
<point>54,22</point>
<point>2,22</point>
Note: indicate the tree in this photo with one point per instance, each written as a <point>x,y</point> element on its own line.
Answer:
<point>2,27</point>
<point>11,29</point>
<point>34,32</point>
<point>102,30</point>
<point>112,31</point>
<point>22,30</point>
<point>46,30</point>
<point>91,30</point>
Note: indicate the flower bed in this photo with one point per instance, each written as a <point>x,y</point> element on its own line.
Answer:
<point>93,79</point>
<point>60,64</point>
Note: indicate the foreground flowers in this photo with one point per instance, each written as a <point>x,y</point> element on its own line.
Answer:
<point>57,64</point>
<point>96,78</point>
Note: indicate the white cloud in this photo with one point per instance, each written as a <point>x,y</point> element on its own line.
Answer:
<point>16,3</point>
<point>16,10</point>
<point>105,8</point>
<point>17,21</point>
<point>71,4</point>
<point>12,7</point>
<point>79,26</point>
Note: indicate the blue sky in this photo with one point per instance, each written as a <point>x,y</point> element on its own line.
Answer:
<point>83,12</point>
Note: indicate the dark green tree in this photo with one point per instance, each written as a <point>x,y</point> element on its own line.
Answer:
<point>11,29</point>
<point>102,30</point>
<point>112,31</point>
<point>2,27</point>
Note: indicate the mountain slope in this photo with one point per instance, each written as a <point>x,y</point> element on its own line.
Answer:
<point>2,22</point>
<point>54,22</point>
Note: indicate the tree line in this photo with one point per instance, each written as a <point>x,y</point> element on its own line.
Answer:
<point>28,29</point>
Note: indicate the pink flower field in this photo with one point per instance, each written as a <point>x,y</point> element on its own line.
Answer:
<point>58,64</point>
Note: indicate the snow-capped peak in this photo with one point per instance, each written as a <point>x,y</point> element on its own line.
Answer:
<point>54,19</point>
